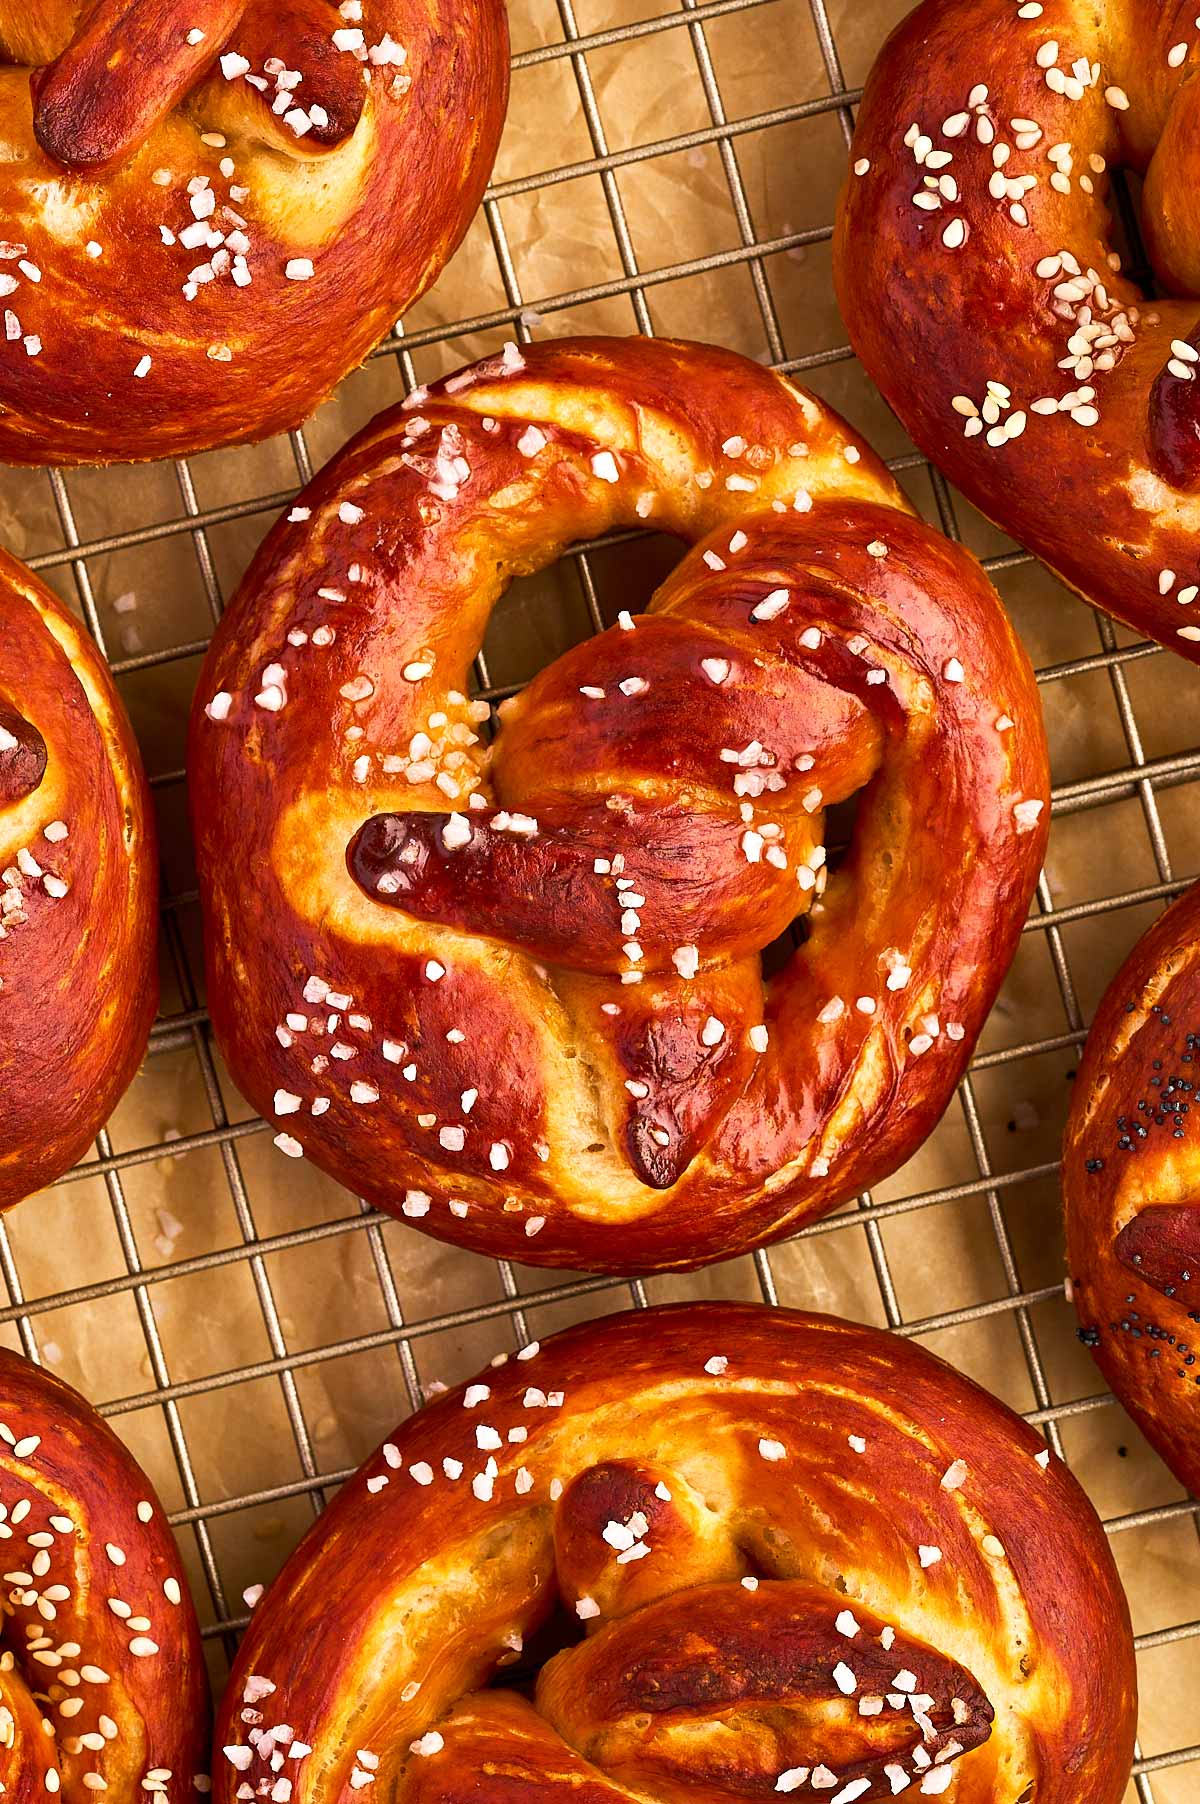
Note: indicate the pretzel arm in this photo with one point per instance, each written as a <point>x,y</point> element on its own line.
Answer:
<point>128,65</point>
<point>552,890</point>
<point>318,114</point>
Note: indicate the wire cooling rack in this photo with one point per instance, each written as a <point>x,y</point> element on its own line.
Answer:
<point>267,1305</point>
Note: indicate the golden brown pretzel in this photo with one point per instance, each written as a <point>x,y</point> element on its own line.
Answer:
<point>517,996</point>
<point>977,274</point>
<point>78,890</point>
<point>1130,1180</point>
<point>212,209</point>
<point>102,1685</point>
<point>806,1557</point>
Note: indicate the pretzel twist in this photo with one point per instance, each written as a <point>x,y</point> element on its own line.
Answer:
<point>977,274</point>
<point>1129,1181</point>
<point>102,1686</point>
<point>215,208</point>
<point>525,982</point>
<point>78,890</point>
<point>806,1557</point>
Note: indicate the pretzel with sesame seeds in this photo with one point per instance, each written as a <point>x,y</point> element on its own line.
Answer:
<point>515,993</point>
<point>751,1551</point>
<point>78,890</point>
<point>1129,1182</point>
<point>102,1683</point>
<point>978,277</point>
<point>214,209</point>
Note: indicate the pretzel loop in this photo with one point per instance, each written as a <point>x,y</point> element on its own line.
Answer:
<point>228,202</point>
<point>78,881</point>
<point>980,275</point>
<point>700,1557</point>
<point>102,1682</point>
<point>539,964</point>
<point>1129,1184</point>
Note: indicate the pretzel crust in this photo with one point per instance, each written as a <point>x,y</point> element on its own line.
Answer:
<point>102,1667</point>
<point>187,264</point>
<point>1130,1186</point>
<point>976,272</point>
<point>809,1495</point>
<point>78,890</point>
<point>468,1015</point>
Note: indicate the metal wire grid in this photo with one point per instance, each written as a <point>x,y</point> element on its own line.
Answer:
<point>1140,777</point>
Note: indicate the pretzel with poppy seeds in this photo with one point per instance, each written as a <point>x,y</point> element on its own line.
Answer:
<point>1130,1185</point>
<point>515,993</point>
<point>78,890</point>
<point>213,209</point>
<point>694,1554</point>
<point>978,275</point>
<point>102,1684</point>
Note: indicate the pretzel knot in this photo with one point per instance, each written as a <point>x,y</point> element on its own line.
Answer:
<point>516,993</point>
<point>1129,1182</point>
<point>978,274</point>
<point>78,890</point>
<point>217,198</point>
<point>102,1685</point>
<point>697,1555</point>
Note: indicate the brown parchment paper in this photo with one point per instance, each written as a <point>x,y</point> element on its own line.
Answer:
<point>292,1362</point>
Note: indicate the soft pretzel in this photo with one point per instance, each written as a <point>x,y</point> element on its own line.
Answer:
<point>516,993</point>
<point>214,208</point>
<point>1130,1181</point>
<point>977,274</point>
<point>805,1557</point>
<point>102,1686</point>
<point>78,890</point>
